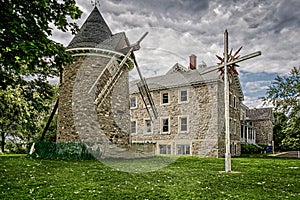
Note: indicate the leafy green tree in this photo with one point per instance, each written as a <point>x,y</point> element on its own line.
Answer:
<point>280,122</point>
<point>28,57</point>
<point>284,94</point>
<point>291,140</point>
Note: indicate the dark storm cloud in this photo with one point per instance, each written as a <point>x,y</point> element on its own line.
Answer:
<point>173,8</point>
<point>197,26</point>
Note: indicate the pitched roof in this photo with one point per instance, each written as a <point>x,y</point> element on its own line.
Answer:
<point>177,68</point>
<point>93,32</point>
<point>177,79</point>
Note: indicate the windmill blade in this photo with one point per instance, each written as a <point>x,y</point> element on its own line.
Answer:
<point>142,85</point>
<point>145,93</point>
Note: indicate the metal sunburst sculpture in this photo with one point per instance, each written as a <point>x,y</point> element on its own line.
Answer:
<point>232,67</point>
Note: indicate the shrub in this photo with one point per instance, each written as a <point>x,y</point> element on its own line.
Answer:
<point>251,149</point>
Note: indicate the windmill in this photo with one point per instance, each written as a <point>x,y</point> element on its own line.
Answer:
<point>115,69</point>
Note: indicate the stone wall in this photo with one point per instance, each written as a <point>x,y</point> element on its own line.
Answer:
<point>79,118</point>
<point>264,131</point>
<point>201,110</point>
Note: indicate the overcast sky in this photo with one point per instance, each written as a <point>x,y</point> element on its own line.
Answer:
<point>178,28</point>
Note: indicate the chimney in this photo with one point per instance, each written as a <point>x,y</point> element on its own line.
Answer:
<point>193,62</point>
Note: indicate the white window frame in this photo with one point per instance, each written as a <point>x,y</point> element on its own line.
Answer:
<point>185,145</point>
<point>179,124</point>
<point>230,99</point>
<point>133,97</point>
<point>161,125</point>
<point>145,126</point>
<point>135,126</point>
<point>167,153</point>
<point>234,101</point>
<point>179,96</point>
<point>161,98</point>
<point>234,126</point>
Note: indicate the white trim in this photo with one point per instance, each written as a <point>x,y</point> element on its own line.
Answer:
<point>136,126</point>
<point>179,123</point>
<point>161,125</point>
<point>161,98</point>
<point>184,144</point>
<point>164,144</point>
<point>230,99</point>
<point>234,126</point>
<point>234,102</point>
<point>145,126</point>
<point>136,103</point>
<point>179,96</point>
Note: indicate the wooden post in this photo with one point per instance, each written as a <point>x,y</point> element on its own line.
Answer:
<point>226,100</point>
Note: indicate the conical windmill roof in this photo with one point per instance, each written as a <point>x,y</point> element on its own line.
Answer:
<point>93,32</point>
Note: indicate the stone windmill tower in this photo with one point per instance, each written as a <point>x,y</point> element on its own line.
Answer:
<point>93,102</point>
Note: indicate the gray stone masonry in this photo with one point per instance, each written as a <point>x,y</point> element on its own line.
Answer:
<point>79,118</point>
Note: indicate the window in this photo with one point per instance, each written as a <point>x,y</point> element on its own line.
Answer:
<point>133,102</point>
<point>183,124</point>
<point>183,149</point>
<point>230,99</point>
<point>133,127</point>
<point>164,149</point>
<point>148,126</point>
<point>183,96</point>
<point>234,101</point>
<point>165,98</point>
<point>165,125</point>
<point>242,131</point>
<point>234,127</point>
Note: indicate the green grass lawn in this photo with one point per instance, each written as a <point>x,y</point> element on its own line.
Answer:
<point>186,178</point>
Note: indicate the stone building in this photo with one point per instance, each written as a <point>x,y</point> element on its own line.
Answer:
<point>93,102</point>
<point>190,106</point>
<point>257,125</point>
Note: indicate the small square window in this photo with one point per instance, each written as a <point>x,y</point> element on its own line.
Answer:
<point>133,127</point>
<point>165,98</point>
<point>183,96</point>
<point>148,126</point>
<point>165,125</point>
<point>133,103</point>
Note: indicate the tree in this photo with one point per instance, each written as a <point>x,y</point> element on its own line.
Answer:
<point>280,122</point>
<point>284,94</point>
<point>28,57</point>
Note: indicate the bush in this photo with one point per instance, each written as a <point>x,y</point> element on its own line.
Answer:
<point>251,149</point>
<point>17,148</point>
<point>53,150</point>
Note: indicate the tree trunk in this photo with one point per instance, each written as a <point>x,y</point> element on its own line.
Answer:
<point>2,142</point>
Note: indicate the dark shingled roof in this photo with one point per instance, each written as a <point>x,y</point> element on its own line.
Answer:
<point>93,32</point>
